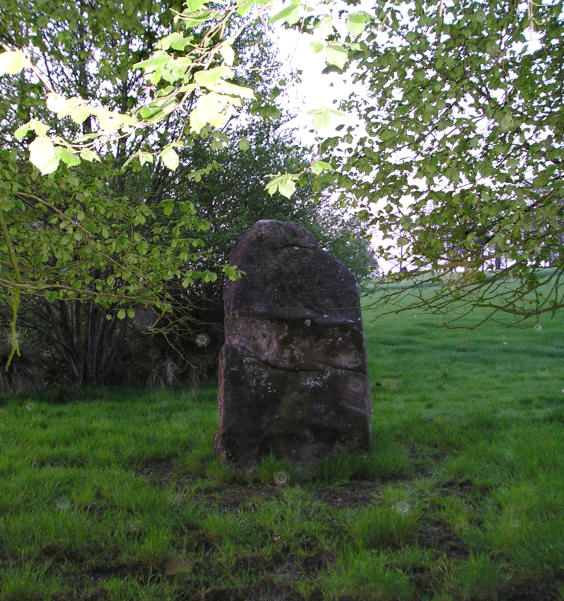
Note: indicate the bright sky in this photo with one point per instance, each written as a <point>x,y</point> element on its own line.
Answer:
<point>314,90</point>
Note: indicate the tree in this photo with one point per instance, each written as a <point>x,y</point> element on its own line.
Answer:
<point>94,242</point>
<point>460,162</point>
<point>89,234</point>
<point>231,197</point>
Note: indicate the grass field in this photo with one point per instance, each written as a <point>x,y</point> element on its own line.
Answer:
<point>117,495</point>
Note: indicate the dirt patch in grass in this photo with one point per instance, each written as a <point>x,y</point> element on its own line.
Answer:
<point>422,579</point>
<point>100,595</point>
<point>159,470</point>
<point>272,577</point>
<point>533,591</point>
<point>257,563</point>
<point>285,565</point>
<point>222,594</point>
<point>351,494</point>
<point>312,564</point>
<point>234,496</point>
<point>271,589</point>
<point>112,568</point>
<point>465,488</point>
<point>435,534</point>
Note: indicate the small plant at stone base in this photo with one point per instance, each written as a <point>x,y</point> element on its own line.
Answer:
<point>275,471</point>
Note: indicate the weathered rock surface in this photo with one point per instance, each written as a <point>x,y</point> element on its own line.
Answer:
<point>292,375</point>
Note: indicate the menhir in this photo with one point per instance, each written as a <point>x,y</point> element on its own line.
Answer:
<point>292,374</point>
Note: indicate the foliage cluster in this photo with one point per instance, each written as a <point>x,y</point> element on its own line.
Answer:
<point>456,160</point>
<point>458,156</point>
<point>91,241</point>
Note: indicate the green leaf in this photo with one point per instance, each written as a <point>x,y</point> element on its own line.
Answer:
<point>210,77</point>
<point>145,157</point>
<point>195,5</point>
<point>287,186</point>
<point>209,109</point>
<point>22,131</point>
<point>286,13</point>
<point>494,50</point>
<point>80,113</point>
<point>272,186</point>
<point>325,27</point>
<point>322,119</point>
<point>244,145</point>
<point>158,59</point>
<point>89,155</point>
<point>507,122</point>
<point>151,112</point>
<point>226,87</point>
<point>179,42</point>
<point>356,23</point>
<point>227,54</point>
<point>243,6</point>
<point>335,54</point>
<point>39,127</point>
<point>68,157</point>
<point>174,40</point>
<point>11,62</point>
<point>169,157</point>
<point>318,167</point>
<point>197,121</point>
<point>209,276</point>
<point>108,122</point>
<point>35,125</point>
<point>55,102</point>
<point>42,154</point>
<point>294,16</point>
<point>232,272</point>
<point>168,208</point>
<point>316,45</point>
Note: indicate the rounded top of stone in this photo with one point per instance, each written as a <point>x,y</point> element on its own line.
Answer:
<point>278,234</point>
<point>288,276</point>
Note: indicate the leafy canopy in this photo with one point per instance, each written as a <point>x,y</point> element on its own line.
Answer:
<point>457,160</point>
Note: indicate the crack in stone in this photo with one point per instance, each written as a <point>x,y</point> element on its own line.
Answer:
<point>322,369</point>
<point>357,409</point>
<point>317,247</point>
<point>284,317</point>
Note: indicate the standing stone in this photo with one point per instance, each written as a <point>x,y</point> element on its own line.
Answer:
<point>292,374</point>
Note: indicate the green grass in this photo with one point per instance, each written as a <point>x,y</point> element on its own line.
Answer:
<point>117,495</point>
